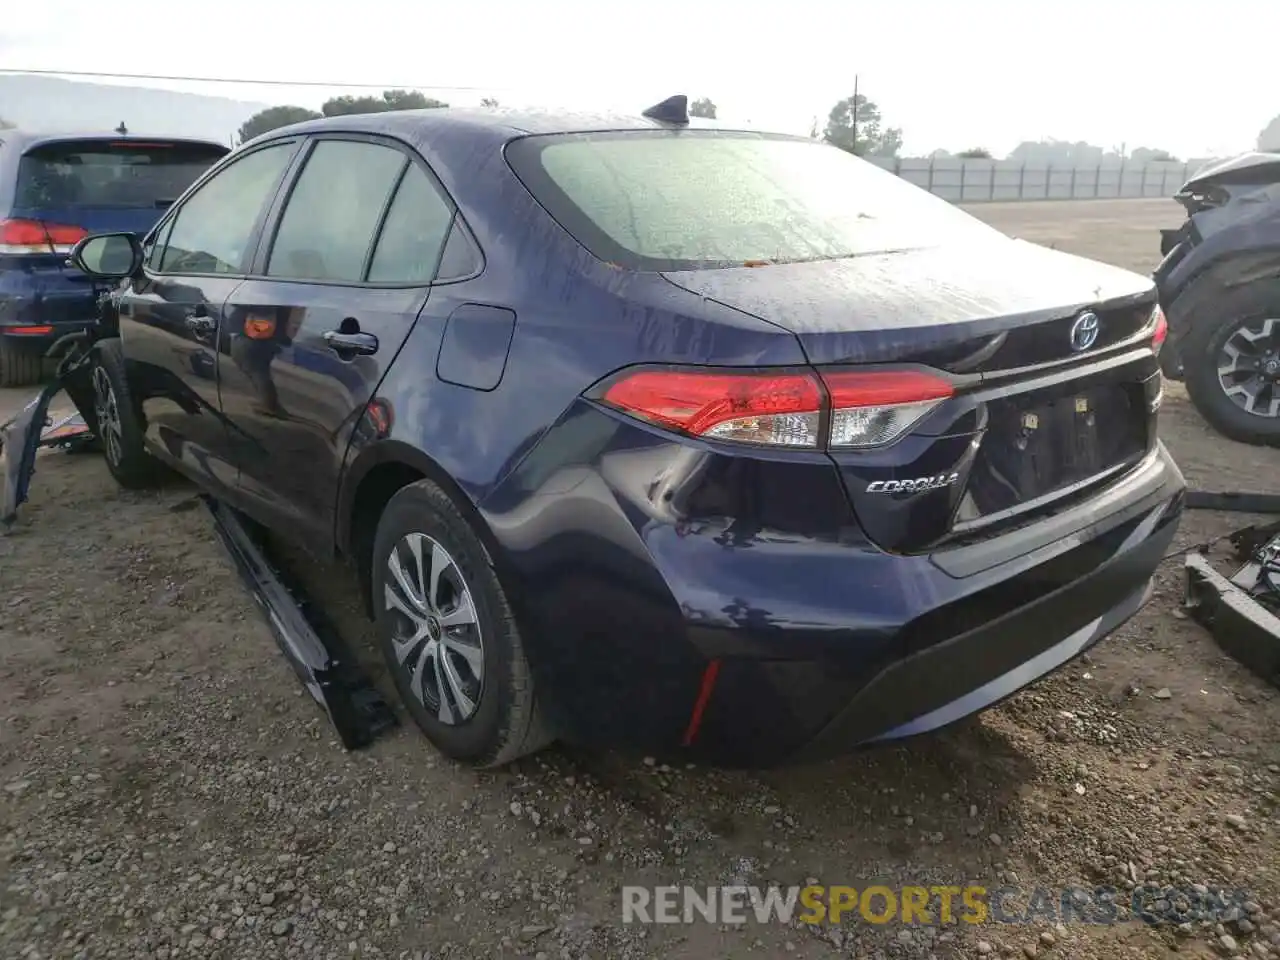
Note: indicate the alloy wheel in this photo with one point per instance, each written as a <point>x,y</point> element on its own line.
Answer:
<point>107,412</point>
<point>1249,367</point>
<point>435,631</point>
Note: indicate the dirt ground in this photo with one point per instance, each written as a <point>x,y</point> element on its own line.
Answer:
<point>166,789</point>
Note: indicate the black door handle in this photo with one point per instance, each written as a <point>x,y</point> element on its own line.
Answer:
<point>351,343</point>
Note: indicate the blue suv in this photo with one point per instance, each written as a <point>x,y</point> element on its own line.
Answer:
<point>56,189</point>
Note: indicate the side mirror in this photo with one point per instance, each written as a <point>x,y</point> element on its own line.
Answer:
<point>108,256</point>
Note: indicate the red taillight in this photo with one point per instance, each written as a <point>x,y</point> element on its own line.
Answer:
<point>755,408</point>
<point>64,236</point>
<point>867,408</point>
<point>1160,331</point>
<point>35,236</point>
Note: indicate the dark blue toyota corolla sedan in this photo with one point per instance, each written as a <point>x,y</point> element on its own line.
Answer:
<point>638,431</point>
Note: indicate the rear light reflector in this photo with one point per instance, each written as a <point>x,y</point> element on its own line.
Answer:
<point>774,409</point>
<point>872,409</point>
<point>864,408</point>
<point>26,237</point>
<point>1160,329</point>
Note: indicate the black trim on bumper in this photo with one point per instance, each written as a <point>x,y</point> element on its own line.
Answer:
<point>945,673</point>
<point>1242,627</point>
<point>1148,484</point>
<point>312,646</point>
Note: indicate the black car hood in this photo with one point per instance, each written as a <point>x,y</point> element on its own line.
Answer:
<point>876,307</point>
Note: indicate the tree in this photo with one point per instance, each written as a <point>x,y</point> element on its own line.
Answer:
<point>1149,155</point>
<point>703,107</point>
<point>347,106</point>
<point>1269,138</point>
<point>488,102</point>
<point>410,100</point>
<point>273,118</point>
<point>1060,153</point>
<point>390,100</point>
<point>870,138</point>
<point>975,153</point>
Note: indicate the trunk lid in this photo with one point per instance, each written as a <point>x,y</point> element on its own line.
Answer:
<point>939,302</point>
<point>1039,417</point>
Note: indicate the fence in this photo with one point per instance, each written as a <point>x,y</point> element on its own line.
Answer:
<point>969,181</point>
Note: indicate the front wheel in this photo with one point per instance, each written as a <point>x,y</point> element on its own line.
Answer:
<point>1231,362</point>
<point>116,421</point>
<point>448,634</point>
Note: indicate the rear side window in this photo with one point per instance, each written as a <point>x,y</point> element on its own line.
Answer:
<point>212,230</point>
<point>682,200</point>
<point>413,234</point>
<point>75,174</point>
<point>328,224</point>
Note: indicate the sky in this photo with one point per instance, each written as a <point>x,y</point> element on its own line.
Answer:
<point>1193,78</point>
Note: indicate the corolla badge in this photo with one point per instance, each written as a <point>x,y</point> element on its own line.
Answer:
<point>1084,332</point>
<point>914,485</point>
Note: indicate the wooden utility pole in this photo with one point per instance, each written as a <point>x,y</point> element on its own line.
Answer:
<point>855,115</point>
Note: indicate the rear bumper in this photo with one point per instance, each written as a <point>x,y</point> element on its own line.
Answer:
<point>42,313</point>
<point>814,709</point>
<point>744,645</point>
<point>983,666</point>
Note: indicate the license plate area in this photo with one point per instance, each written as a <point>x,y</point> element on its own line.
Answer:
<point>1039,443</point>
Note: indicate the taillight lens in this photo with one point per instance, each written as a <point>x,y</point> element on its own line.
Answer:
<point>780,410</point>
<point>23,237</point>
<point>872,409</point>
<point>866,408</point>
<point>1160,329</point>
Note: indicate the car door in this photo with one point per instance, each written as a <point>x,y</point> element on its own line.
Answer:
<point>171,316</point>
<point>340,278</point>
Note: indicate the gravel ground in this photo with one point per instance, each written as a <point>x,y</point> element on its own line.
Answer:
<point>166,790</point>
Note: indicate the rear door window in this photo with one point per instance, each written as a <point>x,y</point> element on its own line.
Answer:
<point>414,232</point>
<point>335,206</point>
<point>70,174</point>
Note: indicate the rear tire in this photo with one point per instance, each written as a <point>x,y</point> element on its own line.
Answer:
<point>1220,329</point>
<point>117,422</point>
<point>21,364</point>
<point>448,634</point>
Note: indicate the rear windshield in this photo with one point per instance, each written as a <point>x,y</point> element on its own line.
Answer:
<point>695,199</point>
<point>99,173</point>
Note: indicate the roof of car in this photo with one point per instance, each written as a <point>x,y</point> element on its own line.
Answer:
<point>496,121</point>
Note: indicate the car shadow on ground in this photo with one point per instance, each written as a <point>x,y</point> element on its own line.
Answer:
<point>941,804</point>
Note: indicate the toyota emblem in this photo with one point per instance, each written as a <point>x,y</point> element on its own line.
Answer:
<point>1084,332</point>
